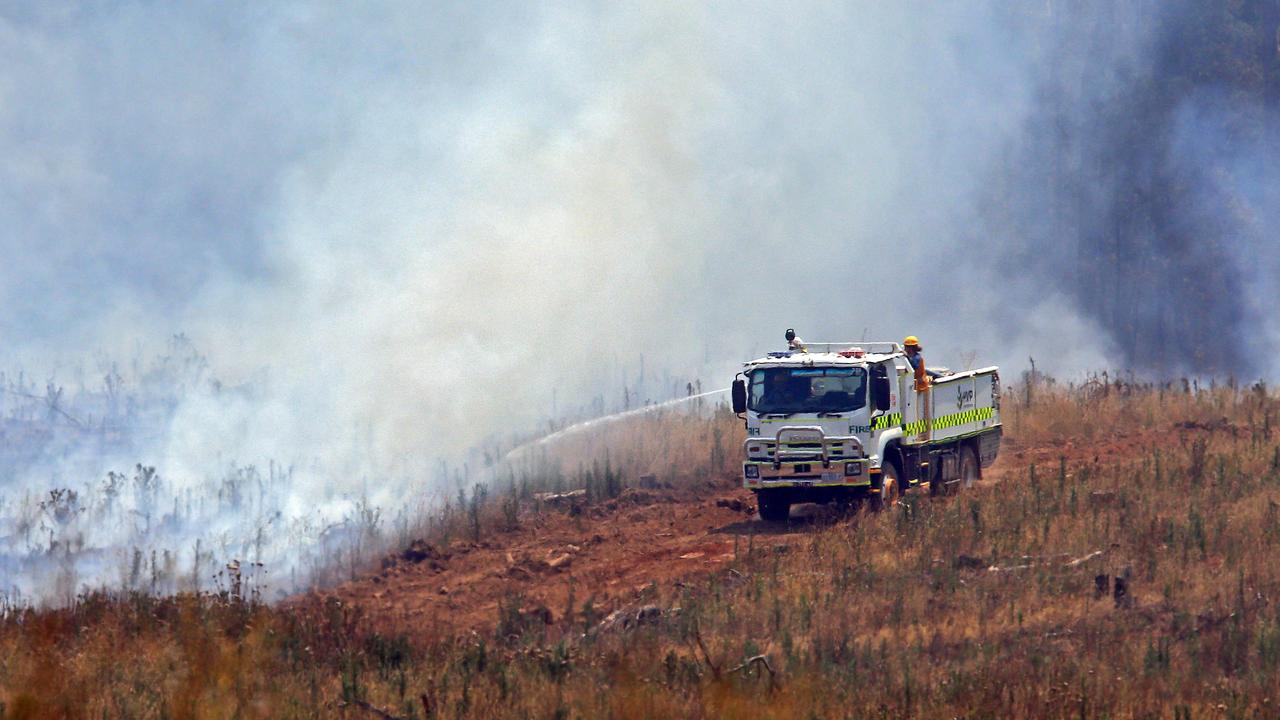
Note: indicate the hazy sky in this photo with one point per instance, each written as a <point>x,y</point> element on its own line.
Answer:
<point>420,219</point>
<point>384,202</point>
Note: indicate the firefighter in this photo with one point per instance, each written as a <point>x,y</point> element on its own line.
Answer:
<point>914,356</point>
<point>794,343</point>
<point>782,391</point>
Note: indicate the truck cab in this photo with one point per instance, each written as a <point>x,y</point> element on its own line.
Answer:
<point>843,421</point>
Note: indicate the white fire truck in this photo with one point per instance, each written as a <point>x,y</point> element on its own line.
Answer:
<point>844,422</point>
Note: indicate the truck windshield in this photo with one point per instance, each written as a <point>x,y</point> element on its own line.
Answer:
<point>807,390</point>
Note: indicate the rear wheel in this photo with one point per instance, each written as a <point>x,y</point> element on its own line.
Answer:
<point>889,488</point>
<point>968,467</point>
<point>774,507</point>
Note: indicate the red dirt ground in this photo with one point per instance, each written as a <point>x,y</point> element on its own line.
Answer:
<point>611,552</point>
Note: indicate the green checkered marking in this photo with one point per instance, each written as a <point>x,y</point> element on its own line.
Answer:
<point>943,422</point>
<point>886,421</point>
<point>964,417</point>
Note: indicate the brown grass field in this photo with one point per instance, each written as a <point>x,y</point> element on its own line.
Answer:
<point>999,602</point>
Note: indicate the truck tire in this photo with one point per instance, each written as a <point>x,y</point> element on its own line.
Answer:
<point>889,488</point>
<point>774,507</point>
<point>969,472</point>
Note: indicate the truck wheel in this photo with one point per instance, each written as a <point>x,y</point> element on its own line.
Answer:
<point>888,496</point>
<point>968,467</point>
<point>773,507</point>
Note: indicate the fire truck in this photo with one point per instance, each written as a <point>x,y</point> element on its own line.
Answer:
<point>845,422</point>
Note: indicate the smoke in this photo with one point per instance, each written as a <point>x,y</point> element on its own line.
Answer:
<point>1141,183</point>
<point>397,231</point>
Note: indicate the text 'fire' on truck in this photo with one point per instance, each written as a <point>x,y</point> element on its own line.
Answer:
<point>850,422</point>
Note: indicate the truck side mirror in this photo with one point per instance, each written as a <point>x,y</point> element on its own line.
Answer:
<point>880,391</point>
<point>739,395</point>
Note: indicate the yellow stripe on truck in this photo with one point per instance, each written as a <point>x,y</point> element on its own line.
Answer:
<point>886,421</point>
<point>944,422</point>
<point>964,417</point>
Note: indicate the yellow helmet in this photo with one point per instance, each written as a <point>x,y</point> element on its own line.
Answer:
<point>911,340</point>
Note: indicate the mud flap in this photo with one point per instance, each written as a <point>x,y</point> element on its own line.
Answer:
<point>989,446</point>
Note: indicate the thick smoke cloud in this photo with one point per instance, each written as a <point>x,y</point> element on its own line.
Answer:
<point>1142,185</point>
<point>396,230</point>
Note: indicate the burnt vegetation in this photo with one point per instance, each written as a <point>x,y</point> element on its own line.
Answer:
<point>1118,562</point>
<point>1121,565</point>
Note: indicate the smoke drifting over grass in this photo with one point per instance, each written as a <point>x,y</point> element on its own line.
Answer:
<point>396,231</point>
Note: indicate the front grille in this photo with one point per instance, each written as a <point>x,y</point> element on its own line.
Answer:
<point>792,452</point>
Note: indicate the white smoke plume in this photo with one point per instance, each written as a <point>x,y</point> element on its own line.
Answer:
<point>396,230</point>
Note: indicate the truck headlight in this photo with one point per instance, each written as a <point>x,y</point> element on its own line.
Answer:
<point>852,469</point>
<point>751,471</point>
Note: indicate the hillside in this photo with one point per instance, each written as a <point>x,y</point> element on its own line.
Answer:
<point>1116,562</point>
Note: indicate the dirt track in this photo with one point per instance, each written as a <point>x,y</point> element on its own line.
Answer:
<point>608,552</point>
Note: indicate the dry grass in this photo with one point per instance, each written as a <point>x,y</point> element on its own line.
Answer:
<point>677,447</point>
<point>889,615</point>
